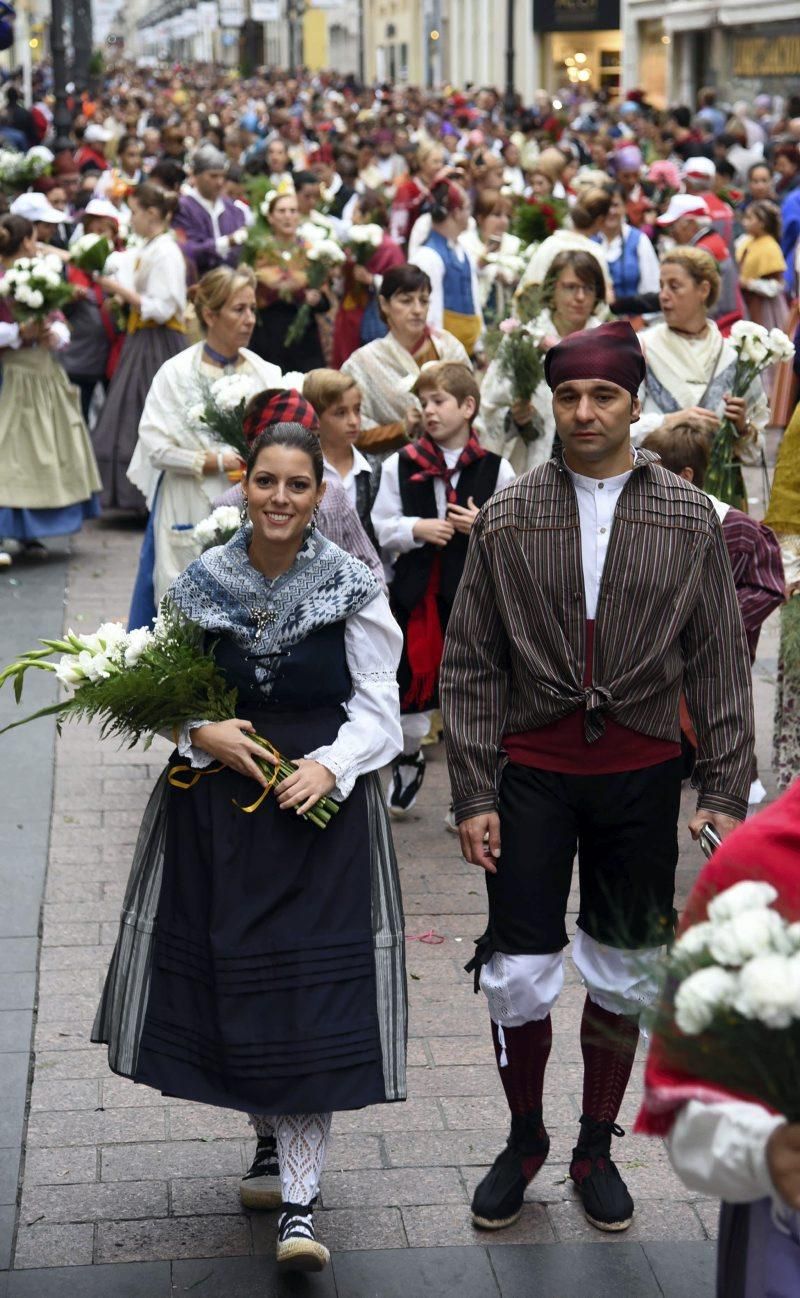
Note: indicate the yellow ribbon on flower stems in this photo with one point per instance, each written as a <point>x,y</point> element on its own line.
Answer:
<point>197,775</point>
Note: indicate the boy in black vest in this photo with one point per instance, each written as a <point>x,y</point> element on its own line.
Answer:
<point>430,494</point>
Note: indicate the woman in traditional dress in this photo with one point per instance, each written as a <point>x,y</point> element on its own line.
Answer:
<point>282,273</point>
<point>275,973</point>
<point>573,298</point>
<point>497,254</point>
<point>762,266</point>
<point>587,217</point>
<point>156,331</point>
<point>690,366</point>
<point>49,481</point>
<point>178,464</point>
<point>386,370</point>
<point>629,254</point>
<point>358,318</point>
<point>412,194</point>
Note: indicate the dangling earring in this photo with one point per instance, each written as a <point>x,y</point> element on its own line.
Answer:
<point>243,515</point>
<point>312,526</point>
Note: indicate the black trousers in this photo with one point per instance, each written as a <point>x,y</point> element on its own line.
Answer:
<point>624,830</point>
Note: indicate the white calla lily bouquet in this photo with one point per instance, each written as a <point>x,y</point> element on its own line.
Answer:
<point>730,1011</point>
<point>756,348</point>
<point>34,287</point>
<point>221,409</point>
<point>323,257</point>
<point>140,683</point>
<point>221,524</point>
<point>362,242</point>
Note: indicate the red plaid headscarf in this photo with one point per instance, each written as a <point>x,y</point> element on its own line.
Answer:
<point>430,461</point>
<point>277,406</point>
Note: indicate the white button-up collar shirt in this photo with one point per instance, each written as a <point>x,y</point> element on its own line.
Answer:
<point>347,480</point>
<point>597,500</point>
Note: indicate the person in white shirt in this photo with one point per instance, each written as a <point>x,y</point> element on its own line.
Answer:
<point>455,294</point>
<point>336,398</point>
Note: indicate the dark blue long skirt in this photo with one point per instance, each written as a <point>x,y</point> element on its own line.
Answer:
<point>263,993</point>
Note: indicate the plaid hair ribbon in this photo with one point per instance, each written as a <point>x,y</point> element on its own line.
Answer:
<point>428,456</point>
<point>277,406</point>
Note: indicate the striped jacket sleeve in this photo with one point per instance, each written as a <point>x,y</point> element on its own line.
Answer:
<point>474,684</point>
<point>718,688</point>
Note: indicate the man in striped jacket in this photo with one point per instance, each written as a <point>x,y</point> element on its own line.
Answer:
<point>597,589</point>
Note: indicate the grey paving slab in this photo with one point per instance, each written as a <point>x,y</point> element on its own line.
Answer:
<point>13,1088</point>
<point>406,1273</point>
<point>7,1217</point>
<point>131,1280</point>
<point>15,1030</point>
<point>690,1274</point>
<point>249,1277</point>
<point>9,1175</point>
<point>573,1271</point>
<point>18,954</point>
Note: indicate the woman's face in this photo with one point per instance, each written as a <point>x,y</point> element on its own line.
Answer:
<point>541,186</point>
<point>573,299</point>
<point>616,215</point>
<point>234,323</point>
<point>131,158</point>
<point>284,217</point>
<point>432,165</point>
<point>102,225</point>
<point>282,493</point>
<point>58,198</point>
<point>681,297</point>
<point>495,225</point>
<point>761,183</point>
<point>144,220</point>
<point>752,223</point>
<point>512,155</point>
<point>406,312</point>
<point>277,157</point>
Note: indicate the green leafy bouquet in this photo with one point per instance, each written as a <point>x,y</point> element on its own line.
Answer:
<point>90,253</point>
<point>222,408</point>
<point>534,220</point>
<point>520,359</point>
<point>322,257</point>
<point>138,683</point>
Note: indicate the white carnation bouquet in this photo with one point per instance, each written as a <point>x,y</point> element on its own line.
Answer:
<point>362,242</point>
<point>139,683</point>
<point>221,409</point>
<point>756,348</point>
<point>19,170</point>
<point>323,257</point>
<point>34,287</point>
<point>90,253</point>
<point>219,527</point>
<point>730,1012</point>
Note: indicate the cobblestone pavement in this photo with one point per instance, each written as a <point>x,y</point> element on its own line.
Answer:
<point>114,1173</point>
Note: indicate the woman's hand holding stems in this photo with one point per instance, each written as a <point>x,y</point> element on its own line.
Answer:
<point>229,742</point>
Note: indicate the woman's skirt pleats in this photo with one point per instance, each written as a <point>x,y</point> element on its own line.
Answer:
<point>277,980</point>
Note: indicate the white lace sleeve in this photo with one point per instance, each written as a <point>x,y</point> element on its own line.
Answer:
<point>197,757</point>
<point>371,735</point>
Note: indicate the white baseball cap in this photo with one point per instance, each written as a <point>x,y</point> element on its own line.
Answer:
<point>102,207</point>
<point>683,205</point>
<point>36,207</point>
<point>698,169</point>
<point>97,134</point>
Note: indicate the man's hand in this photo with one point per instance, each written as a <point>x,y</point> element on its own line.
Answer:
<point>480,840</point>
<point>783,1161</point>
<point>437,531</point>
<point>724,825</point>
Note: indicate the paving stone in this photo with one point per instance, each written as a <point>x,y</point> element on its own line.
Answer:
<point>61,1165</point>
<point>130,1241</point>
<point>168,1160</point>
<point>202,1122</point>
<point>9,1175</point>
<point>54,1244</point>
<point>573,1271</point>
<point>104,1201</point>
<point>84,1061</point>
<point>70,982</point>
<point>707,1211</point>
<point>397,1187</point>
<point>346,1152</point>
<point>443,1272</point>
<point>70,934</point>
<point>492,1111</point>
<point>51,1095</point>
<point>122,1093</point>
<point>18,954</point>
<point>247,1277</point>
<point>445,1148</point>
<point>17,991</point>
<point>695,1277</point>
<point>413,1115</point>
<point>7,1216</point>
<point>652,1221</point>
<point>462,1050</point>
<point>468,1080</point>
<point>15,1030</point>
<point>74,957</point>
<point>343,1228</point>
<point>200,1195</point>
<point>428,1227</point>
<point>129,1280</point>
<point>101,1128</point>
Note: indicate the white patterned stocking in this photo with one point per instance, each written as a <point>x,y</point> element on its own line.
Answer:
<point>302,1140</point>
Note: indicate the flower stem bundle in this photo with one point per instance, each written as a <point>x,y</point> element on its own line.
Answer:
<point>520,359</point>
<point>323,257</point>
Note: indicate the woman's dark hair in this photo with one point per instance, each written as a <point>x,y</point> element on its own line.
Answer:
<point>769,214</point>
<point>294,437</point>
<point>125,141</point>
<point>168,174</point>
<point>14,230</point>
<point>149,195</point>
<point>404,279</point>
<point>756,166</point>
<point>375,207</point>
<point>585,266</point>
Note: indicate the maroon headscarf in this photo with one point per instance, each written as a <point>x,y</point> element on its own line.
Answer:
<point>277,406</point>
<point>610,352</point>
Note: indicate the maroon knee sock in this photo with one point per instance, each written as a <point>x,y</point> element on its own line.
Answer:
<point>525,1054</point>
<point>608,1046</point>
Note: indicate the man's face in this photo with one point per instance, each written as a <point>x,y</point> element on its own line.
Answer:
<point>445,418</point>
<point>276,156</point>
<point>683,230</point>
<point>209,184</point>
<point>307,199</point>
<point>593,417</point>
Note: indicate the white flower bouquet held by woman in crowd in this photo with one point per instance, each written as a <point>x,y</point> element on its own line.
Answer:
<point>222,408</point>
<point>729,1015</point>
<point>90,253</point>
<point>34,288</point>
<point>323,257</point>
<point>218,528</point>
<point>19,170</point>
<point>362,242</point>
<point>140,683</point>
<point>757,348</point>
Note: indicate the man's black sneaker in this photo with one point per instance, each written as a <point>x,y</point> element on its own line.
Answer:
<point>497,1201</point>
<point>604,1194</point>
<point>408,772</point>
<point>298,1248</point>
<point>261,1186</point>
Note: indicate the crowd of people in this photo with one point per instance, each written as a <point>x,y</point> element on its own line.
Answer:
<point>419,529</point>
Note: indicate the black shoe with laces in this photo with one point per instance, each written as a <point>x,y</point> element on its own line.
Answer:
<point>298,1248</point>
<point>604,1194</point>
<point>261,1186</point>
<point>497,1201</point>
<point>408,772</point>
